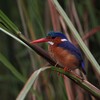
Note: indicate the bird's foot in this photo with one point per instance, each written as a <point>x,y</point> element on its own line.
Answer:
<point>69,70</point>
<point>59,74</point>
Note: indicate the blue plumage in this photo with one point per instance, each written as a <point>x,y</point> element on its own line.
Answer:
<point>69,46</point>
<point>56,34</point>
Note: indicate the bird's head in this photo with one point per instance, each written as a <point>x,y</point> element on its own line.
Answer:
<point>52,38</point>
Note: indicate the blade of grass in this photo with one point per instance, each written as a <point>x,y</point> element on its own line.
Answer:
<point>77,37</point>
<point>54,16</point>
<point>11,35</point>
<point>19,37</point>
<point>35,48</point>
<point>83,83</point>
<point>91,33</point>
<point>7,64</point>
<point>77,20</point>
<point>29,83</point>
<point>7,22</point>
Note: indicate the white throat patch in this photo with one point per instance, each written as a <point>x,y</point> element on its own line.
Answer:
<point>64,40</point>
<point>51,43</point>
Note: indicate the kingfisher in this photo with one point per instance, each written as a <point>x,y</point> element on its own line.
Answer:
<point>63,51</point>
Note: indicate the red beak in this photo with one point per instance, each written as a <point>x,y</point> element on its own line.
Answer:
<point>39,40</point>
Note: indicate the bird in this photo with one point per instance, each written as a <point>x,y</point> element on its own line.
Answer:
<point>63,51</point>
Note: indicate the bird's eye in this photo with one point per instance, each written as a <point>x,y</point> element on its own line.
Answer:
<point>53,37</point>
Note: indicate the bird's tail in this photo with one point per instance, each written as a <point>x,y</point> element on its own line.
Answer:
<point>83,65</point>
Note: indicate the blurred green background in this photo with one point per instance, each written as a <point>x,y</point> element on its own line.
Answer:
<point>35,18</point>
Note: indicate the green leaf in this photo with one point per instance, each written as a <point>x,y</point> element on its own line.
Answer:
<point>13,36</point>
<point>8,65</point>
<point>81,82</point>
<point>29,83</point>
<point>9,26</point>
<point>7,23</point>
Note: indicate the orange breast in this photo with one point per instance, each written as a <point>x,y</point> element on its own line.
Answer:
<point>63,57</point>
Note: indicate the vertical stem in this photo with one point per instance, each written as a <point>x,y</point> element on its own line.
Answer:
<point>78,38</point>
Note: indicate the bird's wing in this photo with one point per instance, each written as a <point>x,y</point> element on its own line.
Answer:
<point>73,49</point>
